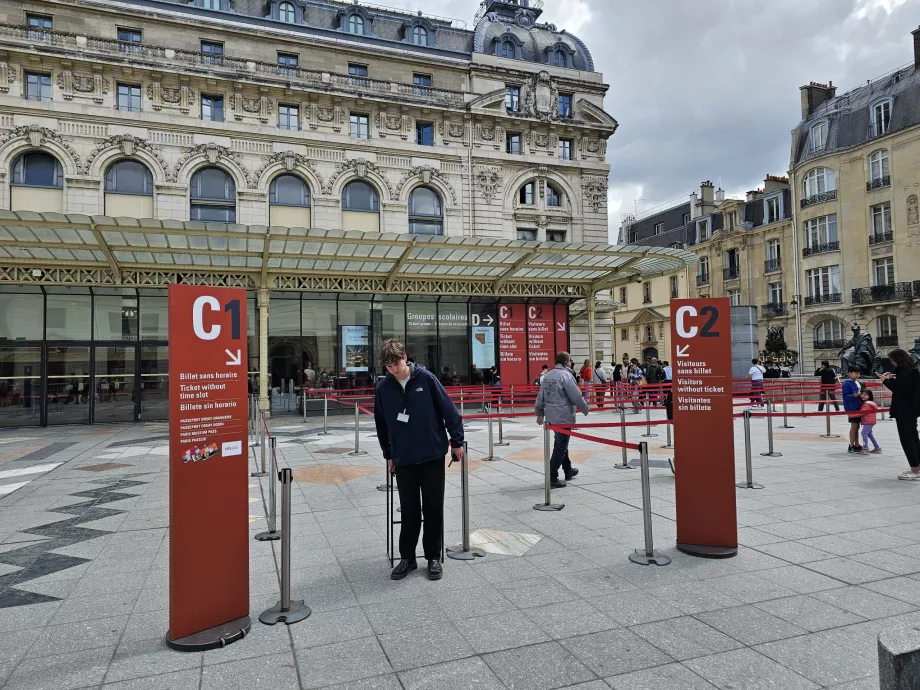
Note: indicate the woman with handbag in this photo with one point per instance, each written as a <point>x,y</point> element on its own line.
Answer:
<point>599,379</point>
<point>587,375</point>
<point>904,385</point>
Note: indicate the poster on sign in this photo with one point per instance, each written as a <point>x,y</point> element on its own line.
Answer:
<point>356,349</point>
<point>541,338</point>
<point>208,479</point>
<point>512,344</point>
<point>704,440</point>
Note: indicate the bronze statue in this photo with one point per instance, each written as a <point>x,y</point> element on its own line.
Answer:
<point>859,352</point>
<point>915,353</point>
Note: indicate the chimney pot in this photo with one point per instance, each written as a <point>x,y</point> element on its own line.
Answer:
<point>916,35</point>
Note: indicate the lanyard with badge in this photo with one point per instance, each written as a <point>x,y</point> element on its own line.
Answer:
<point>404,415</point>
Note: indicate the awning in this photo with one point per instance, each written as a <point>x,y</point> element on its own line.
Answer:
<point>52,248</point>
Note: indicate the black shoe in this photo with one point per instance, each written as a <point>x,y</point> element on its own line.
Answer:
<point>557,483</point>
<point>571,473</point>
<point>435,571</point>
<point>403,568</point>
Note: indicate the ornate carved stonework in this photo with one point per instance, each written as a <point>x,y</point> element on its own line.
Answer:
<point>70,84</point>
<point>455,131</point>
<point>7,76</point>
<point>263,107</point>
<point>913,210</point>
<point>36,135</point>
<point>361,168</point>
<point>524,18</point>
<point>213,153</point>
<point>426,173</point>
<point>486,133</point>
<point>324,115</point>
<point>128,144</point>
<point>882,251</point>
<point>540,97</point>
<point>392,124</point>
<point>595,190</point>
<point>488,182</point>
<point>160,95</point>
<point>290,160</point>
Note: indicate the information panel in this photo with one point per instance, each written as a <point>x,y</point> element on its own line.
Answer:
<point>208,459</point>
<point>541,340</point>
<point>704,440</point>
<point>512,344</point>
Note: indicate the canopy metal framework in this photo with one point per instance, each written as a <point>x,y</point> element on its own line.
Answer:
<point>56,249</point>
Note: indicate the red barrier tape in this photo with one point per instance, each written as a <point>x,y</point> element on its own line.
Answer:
<point>606,441</point>
<point>853,413</point>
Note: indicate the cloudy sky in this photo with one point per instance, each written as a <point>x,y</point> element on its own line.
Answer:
<point>710,89</point>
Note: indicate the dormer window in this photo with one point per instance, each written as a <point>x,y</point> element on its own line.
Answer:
<point>558,59</point>
<point>355,24</point>
<point>702,230</point>
<point>286,13</point>
<point>819,136</point>
<point>560,54</point>
<point>506,50</point>
<point>772,209</point>
<point>420,36</point>
<point>880,115</point>
<point>219,5</point>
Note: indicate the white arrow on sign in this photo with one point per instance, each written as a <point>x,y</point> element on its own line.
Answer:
<point>490,319</point>
<point>560,326</point>
<point>235,359</point>
<point>683,350</point>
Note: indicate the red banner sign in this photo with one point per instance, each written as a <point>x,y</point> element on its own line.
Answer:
<point>512,344</point>
<point>208,459</point>
<point>704,440</point>
<point>541,341</point>
<point>561,325</point>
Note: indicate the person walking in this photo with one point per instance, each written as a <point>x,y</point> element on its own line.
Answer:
<point>599,379</point>
<point>414,415</point>
<point>828,385</point>
<point>904,385</point>
<point>556,403</point>
<point>850,391</point>
<point>755,373</point>
<point>635,376</point>
<point>668,372</point>
<point>869,414</point>
<point>586,374</point>
<point>543,372</point>
<point>654,377</point>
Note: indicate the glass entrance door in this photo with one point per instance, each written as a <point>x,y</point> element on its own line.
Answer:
<point>69,393</point>
<point>154,383</point>
<point>114,383</point>
<point>20,386</point>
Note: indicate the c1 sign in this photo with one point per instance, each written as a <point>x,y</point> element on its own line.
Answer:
<point>208,456</point>
<point>704,438</point>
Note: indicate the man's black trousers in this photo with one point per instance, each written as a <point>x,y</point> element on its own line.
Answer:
<point>421,491</point>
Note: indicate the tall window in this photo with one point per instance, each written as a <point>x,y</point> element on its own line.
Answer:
<point>624,334</point>
<point>734,297</point>
<point>819,181</point>
<point>426,216</point>
<point>703,267</point>
<point>881,118</point>
<point>558,58</point>
<point>506,49</point>
<point>420,36</point>
<point>565,105</point>
<point>424,134</point>
<point>513,143</point>
<point>659,228</point>
<point>212,108</point>
<point>129,177</point>
<point>129,97</point>
<point>553,196</point>
<point>526,194</point>
<point>702,230</point>
<point>288,117</point>
<point>38,169</point>
<point>513,98</point>
<point>888,327</point>
<point>829,331</point>
<point>289,190</point>
<point>565,149</point>
<point>878,166</point>
<point>820,232</point>
<point>213,196</point>
<point>881,220</point>
<point>623,292</point>
<point>673,286</point>
<point>528,235</point>
<point>774,250</point>
<point>287,64</point>
<point>38,87</point>
<point>772,209</point>
<point>823,282</point>
<point>286,13</point>
<point>357,75</point>
<point>129,40</point>
<point>212,53</point>
<point>356,24</point>
<point>360,196</point>
<point>39,27</point>
<point>776,293</point>
<point>358,126</point>
<point>685,219</point>
<point>883,271</point>
<point>819,136</point>
<point>647,292</point>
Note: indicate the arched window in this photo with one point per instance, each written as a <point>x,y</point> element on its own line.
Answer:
<point>559,58</point>
<point>289,190</point>
<point>38,169</point>
<point>425,212</point>
<point>553,196</point>
<point>827,333</point>
<point>129,177</point>
<point>213,196</point>
<point>506,49</point>
<point>878,166</point>
<point>819,181</point>
<point>286,13</point>
<point>526,195</point>
<point>360,196</point>
<point>420,36</point>
<point>356,24</point>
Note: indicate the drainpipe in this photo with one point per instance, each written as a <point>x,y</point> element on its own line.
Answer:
<point>799,298</point>
<point>469,173</point>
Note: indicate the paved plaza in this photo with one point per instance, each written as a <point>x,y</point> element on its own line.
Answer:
<point>830,556</point>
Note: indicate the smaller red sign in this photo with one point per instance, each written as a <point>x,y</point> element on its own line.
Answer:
<point>541,341</point>
<point>512,344</point>
<point>561,325</point>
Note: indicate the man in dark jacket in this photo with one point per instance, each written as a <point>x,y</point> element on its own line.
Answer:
<point>476,376</point>
<point>904,385</point>
<point>828,386</point>
<point>411,410</point>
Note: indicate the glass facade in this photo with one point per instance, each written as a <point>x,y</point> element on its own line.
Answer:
<point>75,355</point>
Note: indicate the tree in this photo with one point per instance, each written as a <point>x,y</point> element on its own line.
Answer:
<point>776,350</point>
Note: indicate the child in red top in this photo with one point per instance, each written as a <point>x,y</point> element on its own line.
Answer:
<point>868,412</point>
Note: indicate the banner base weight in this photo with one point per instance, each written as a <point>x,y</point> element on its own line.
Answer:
<point>212,638</point>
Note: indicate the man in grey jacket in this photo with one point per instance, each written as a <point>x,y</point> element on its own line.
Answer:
<point>558,398</point>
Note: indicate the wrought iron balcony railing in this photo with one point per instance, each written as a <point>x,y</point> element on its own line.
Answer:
<point>830,344</point>
<point>731,273</point>
<point>772,265</point>
<point>887,340</point>
<point>819,198</point>
<point>881,237</point>
<point>702,279</point>
<point>878,183</point>
<point>827,298</point>
<point>894,292</point>
<point>821,248</point>
<point>917,289</point>
<point>774,310</point>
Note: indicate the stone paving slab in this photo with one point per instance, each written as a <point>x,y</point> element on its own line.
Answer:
<point>826,561</point>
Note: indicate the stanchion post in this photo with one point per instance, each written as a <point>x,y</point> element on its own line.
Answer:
<point>547,499</point>
<point>357,450</point>
<point>461,403</point>
<point>827,425</point>
<point>770,452</point>
<point>491,457</point>
<point>625,465</point>
<point>668,445</point>
<point>261,424</point>
<point>325,431</point>
<point>748,463</point>
<point>786,424</point>
<point>648,422</point>
<point>465,552</point>
<point>648,555</point>
<point>285,610</point>
<point>501,434</point>
<point>881,403</point>
<point>272,533</point>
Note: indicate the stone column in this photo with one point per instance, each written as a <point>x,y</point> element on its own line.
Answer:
<point>590,305</point>
<point>263,299</point>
